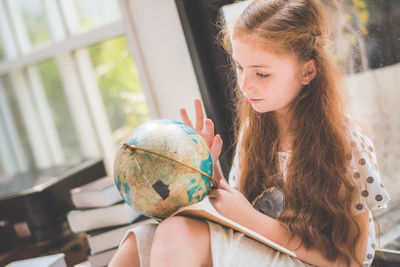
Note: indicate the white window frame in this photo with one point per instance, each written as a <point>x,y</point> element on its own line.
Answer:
<point>82,92</point>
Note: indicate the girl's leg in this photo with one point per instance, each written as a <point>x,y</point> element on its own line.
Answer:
<point>181,241</point>
<point>127,254</point>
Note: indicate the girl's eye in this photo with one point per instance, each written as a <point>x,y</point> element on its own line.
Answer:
<point>262,75</point>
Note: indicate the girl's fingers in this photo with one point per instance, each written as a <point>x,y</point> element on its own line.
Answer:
<point>216,148</point>
<point>209,125</point>
<point>199,114</point>
<point>204,127</point>
<point>213,193</point>
<point>214,183</point>
<point>185,117</point>
<point>216,193</point>
<point>223,184</point>
<point>208,133</point>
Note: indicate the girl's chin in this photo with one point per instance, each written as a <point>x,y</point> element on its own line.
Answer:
<point>265,109</point>
<point>260,109</point>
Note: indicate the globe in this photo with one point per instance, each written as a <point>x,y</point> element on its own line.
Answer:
<point>162,166</point>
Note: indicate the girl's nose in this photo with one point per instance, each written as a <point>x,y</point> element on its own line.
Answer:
<point>245,83</point>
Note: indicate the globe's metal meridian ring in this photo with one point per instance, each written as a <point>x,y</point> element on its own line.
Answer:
<point>134,148</point>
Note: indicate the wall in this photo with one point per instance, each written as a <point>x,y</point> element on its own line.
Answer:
<point>165,55</point>
<point>374,99</point>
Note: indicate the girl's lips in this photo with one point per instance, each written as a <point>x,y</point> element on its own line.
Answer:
<point>255,100</point>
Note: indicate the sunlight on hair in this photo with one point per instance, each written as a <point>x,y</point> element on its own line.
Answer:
<point>232,12</point>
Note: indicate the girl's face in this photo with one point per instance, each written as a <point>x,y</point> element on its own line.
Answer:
<point>269,82</point>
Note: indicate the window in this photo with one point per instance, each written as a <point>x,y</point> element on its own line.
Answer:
<point>118,81</point>
<point>95,13</point>
<point>59,115</point>
<point>69,86</point>
<point>29,15</point>
<point>16,154</point>
<point>2,56</point>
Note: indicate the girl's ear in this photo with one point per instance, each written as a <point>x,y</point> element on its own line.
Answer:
<point>308,72</point>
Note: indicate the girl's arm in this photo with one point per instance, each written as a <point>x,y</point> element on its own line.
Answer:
<point>218,175</point>
<point>232,204</point>
<point>277,232</point>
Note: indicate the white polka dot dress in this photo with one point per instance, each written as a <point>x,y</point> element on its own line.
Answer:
<point>362,170</point>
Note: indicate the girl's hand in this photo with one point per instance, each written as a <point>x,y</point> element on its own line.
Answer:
<point>205,128</point>
<point>230,203</point>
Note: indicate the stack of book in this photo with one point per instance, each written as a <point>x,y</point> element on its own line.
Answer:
<point>56,260</point>
<point>103,216</point>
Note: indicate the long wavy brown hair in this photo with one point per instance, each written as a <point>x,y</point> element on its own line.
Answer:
<point>318,194</point>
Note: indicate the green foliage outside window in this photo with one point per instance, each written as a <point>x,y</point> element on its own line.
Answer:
<point>358,15</point>
<point>60,111</point>
<point>119,84</point>
<point>35,22</point>
<point>2,56</point>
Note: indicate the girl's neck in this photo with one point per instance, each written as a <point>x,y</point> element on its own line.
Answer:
<point>285,135</point>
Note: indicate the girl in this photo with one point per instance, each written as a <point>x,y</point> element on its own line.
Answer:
<point>304,175</point>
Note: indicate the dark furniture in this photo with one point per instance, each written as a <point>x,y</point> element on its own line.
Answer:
<point>33,208</point>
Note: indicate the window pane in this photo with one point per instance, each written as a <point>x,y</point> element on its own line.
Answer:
<point>383,33</point>
<point>2,55</point>
<point>95,13</point>
<point>366,34</point>
<point>118,80</point>
<point>34,20</point>
<point>1,173</point>
<point>17,118</point>
<point>60,112</point>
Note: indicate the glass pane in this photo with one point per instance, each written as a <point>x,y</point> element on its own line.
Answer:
<point>367,33</point>
<point>118,81</point>
<point>1,172</point>
<point>2,54</point>
<point>60,112</point>
<point>383,33</point>
<point>95,13</point>
<point>34,20</point>
<point>17,117</point>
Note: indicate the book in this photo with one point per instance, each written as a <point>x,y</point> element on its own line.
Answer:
<point>83,264</point>
<point>205,210</point>
<point>90,219</point>
<point>98,193</point>
<point>102,258</point>
<point>56,260</point>
<point>110,238</point>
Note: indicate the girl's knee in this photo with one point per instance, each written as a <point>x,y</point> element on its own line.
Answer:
<point>130,240</point>
<point>180,235</point>
<point>127,254</point>
<point>179,227</point>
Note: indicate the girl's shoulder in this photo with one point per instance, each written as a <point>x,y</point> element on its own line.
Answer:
<point>363,170</point>
<point>359,140</point>
<point>355,129</point>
